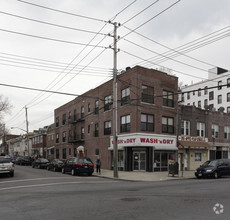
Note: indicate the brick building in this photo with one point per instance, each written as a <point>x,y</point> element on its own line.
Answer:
<point>146,113</point>
<point>203,135</point>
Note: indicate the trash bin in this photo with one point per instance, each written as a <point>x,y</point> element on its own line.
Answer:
<point>173,168</point>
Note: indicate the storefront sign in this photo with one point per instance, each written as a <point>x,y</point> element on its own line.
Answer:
<point>145,140</point>
<point>195,139</point>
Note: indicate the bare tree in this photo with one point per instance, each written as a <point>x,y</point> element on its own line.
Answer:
<point>5,107</point>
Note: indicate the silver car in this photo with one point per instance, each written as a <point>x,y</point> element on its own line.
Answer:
<point>6,166</point>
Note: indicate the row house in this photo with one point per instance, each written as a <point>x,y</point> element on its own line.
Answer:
<point>203,135</point>
<point>146,126</point>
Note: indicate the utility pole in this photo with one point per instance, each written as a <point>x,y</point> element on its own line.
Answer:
<point>27,133</point>
<point>115,150</point>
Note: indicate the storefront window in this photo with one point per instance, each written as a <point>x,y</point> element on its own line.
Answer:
<point>161,160</point>
<point>198,157</point>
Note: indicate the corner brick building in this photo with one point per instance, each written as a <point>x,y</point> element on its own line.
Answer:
<point>147,119</point>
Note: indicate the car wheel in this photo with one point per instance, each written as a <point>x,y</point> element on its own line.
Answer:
<point>63,170</point>
<point>90,174</point>
<point>215,175</point>
<point>73,172</point>
<point>12,174</point>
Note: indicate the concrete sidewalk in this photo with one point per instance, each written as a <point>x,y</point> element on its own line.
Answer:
<point>145,176</point>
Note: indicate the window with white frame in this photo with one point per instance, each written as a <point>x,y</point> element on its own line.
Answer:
<point>219,84</point>
<point>228,82</point>
<point>125,123</point>
<point>199,92</point>
<point>199,104</point>
<point>227,132</point>
<point>228,97</point>
<point>108,103</point>
<point>200,129</point>
<point>205,90</point>
<point>185,127</point>
<point>125,96</point>
<point>219,99</point>
<point>215,131</point>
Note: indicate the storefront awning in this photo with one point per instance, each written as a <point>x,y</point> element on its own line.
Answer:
<point>194,144</point>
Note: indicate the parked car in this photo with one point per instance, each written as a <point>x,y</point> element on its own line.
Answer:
<point>214,168</point>
<point>55,165</point>
<point>25,160</point>
<point>6,166</point>
<point>40,163</point>
<point>78,165</point>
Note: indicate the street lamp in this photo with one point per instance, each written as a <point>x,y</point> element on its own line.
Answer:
<point>27,138</point>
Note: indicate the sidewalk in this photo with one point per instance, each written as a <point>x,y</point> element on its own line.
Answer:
<point>145,176</point>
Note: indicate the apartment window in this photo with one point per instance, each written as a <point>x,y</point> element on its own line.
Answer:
<point>199,92</point>
<point>75,115</point>
<point>70,151</point>
<point>64,153</point>
<point>88,107</point>
<point>188,95</point>
<point>182,97</point>
<point>97,151</point>
<point>205,102</point>
<point>147,122</point>
<point>219,99</point>
<point>125,96</point>
<point>147,94</point>
<point>185,127</point>
<point>211,95</point>
<point>63,119</point>
<point>82,112</point>
<point>88,129</point>
<point>228,82</point>
<point>168,99</point>
<point>228,109</point>
<point>198,157</point>
<point>125,123</point>
<point>167,125</point>
<point>107,127</point>
<point>194,104</point>
<point>206,90</point>
<point>64,136</point>
<point>108,103</point>
<point>57,153</point>
<point>57,121</point>
<point>57,138</point>
<point>96,111</point>
<point>219,84</point>
<point>215,131</point>
<point>199,104</point>
<point>69,117</point>
<point>200,129</point>
<point>228,97</point>
<point>227,132</point>
<point>96,130</point>
<point>194,93</point>
<point>82,133</point>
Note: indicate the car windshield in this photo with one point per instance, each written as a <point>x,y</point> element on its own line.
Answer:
<point>205,164</point>
<point>5,160</point>
<point>84,160</point>
<point>212,163</point>
<point>44,160</point>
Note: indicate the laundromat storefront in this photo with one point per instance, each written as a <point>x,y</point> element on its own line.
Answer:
<point>144,152</point>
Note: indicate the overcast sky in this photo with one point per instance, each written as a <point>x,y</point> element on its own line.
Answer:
<point>62,45</point>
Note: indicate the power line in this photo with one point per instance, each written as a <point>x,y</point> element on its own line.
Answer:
<point>48,91</point>
<point>63,12</point>
<point>50,39</point>
<point>51,24</point>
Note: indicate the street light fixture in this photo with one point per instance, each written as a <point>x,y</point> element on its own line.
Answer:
<point>27,138</point>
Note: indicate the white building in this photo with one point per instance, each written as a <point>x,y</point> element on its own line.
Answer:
<point>212,94</point>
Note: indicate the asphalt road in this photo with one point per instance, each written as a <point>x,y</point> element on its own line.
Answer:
<point>40,194</point>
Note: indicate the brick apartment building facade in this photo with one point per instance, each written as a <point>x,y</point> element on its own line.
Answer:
<point>203,135</point>
<point>147,119</point>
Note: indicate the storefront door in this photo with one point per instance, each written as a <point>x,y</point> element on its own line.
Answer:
<point>139,161</point>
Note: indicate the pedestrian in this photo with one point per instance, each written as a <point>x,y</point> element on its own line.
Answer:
<point>98,165</point>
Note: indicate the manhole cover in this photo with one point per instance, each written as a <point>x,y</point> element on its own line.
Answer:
<point>130,199</point>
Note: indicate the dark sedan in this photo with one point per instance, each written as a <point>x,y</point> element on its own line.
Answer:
<point>78,165</point>
<point>25,160</point>
<point>55,165</point>
<point>40,163</point>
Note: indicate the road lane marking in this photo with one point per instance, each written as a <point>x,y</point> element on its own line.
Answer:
<point>13,181</point>
<point>52,184</point>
